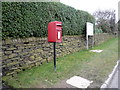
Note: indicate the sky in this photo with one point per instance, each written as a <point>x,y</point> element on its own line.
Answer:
<point>93,5</point>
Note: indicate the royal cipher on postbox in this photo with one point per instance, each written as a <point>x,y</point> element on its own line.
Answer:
<point>55,31</point>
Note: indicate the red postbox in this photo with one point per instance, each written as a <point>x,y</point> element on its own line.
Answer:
<point>55,31</point>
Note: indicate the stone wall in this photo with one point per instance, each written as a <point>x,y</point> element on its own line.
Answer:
<point>21,54</point>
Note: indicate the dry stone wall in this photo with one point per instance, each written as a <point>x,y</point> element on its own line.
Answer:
<point>21,54</point>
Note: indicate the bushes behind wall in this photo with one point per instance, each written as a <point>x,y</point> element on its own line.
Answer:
<point>30,19</point>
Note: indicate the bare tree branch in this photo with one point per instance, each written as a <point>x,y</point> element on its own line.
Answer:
<point>105,20</point>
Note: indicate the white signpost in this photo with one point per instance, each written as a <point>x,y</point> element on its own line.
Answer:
<point>89,31</point>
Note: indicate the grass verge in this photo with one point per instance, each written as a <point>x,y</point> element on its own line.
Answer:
<point>93,66</point>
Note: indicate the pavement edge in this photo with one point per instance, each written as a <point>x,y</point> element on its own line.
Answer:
<point>110,77</point>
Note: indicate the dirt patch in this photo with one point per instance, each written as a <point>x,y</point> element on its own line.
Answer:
<point>63,84</point>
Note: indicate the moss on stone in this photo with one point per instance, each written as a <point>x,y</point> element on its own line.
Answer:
<point>8,52</point>
<point>12,55</point>
<point>5,57</point>
<point>38,50</point>
<point>32,57</point>
<point>13,48</point>
<point>12,63</point>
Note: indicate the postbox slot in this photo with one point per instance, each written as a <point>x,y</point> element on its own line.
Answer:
<point>59,25</point>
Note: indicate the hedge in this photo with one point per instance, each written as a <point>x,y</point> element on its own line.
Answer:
<point>98,31</point>
<point>30,19</point>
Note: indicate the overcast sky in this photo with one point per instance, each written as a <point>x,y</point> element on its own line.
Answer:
<point>93,5</point>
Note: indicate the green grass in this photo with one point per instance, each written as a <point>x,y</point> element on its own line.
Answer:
<point>93,66</point>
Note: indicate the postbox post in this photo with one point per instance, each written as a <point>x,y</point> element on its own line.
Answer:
<point>54,47</point>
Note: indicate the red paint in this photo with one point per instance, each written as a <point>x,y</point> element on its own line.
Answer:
<point>55,31</point>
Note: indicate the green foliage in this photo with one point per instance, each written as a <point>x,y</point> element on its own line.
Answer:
<point>105,27</point>
<point>30,19</point>
<point>98,31</point>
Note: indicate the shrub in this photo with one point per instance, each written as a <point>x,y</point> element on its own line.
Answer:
<point>30,19</point>
<point>98,31</point>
